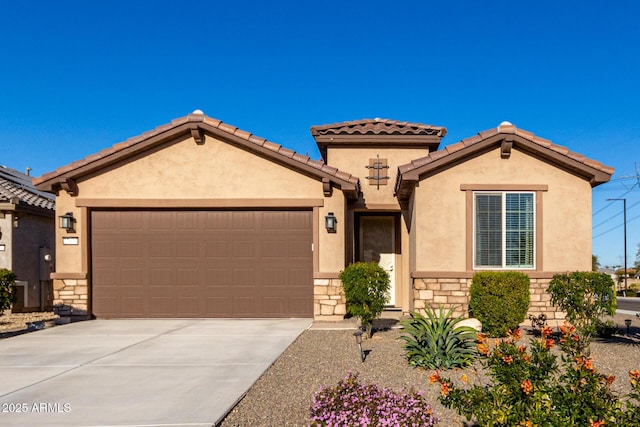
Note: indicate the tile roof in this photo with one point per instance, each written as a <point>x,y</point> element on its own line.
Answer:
<point>194,122</point>
<point>593,170</point>
<point>378,127</point>
<point>18,187</point>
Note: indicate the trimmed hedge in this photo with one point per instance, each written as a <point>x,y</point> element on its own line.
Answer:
<point>500,300</point>
<point>366,289</point>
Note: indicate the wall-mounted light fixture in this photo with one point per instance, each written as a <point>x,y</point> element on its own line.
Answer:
<point>331,223</point>
<point>67,221</point>
<point>16,223</point>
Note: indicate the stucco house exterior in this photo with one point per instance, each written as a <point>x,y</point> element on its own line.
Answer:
<point>27,238</point>
<point>198,218</point>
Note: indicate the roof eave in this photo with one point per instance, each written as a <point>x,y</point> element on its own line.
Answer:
<point>195,126</point>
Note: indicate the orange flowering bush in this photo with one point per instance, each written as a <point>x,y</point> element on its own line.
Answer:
<point>531,388</point>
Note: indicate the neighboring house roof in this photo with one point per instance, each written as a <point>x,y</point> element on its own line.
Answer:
<point>197,124</point>
<point>16,189</point>
<point>377,132</point>
<point>506,136</point>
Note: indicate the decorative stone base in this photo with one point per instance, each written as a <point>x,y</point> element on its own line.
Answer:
<point>70,297</point>
<point>454,293</point>
<point>328,300</point>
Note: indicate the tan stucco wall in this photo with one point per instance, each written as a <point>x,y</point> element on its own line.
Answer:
<point>212,171</point>
<point>440,210</point>
<point>355,160</point>
<point>332,245</point>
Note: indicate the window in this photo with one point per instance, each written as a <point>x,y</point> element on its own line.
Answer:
<point>504,230</point>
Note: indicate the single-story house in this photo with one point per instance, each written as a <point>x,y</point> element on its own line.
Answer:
<point>27,239</point>
<point>198,218</point>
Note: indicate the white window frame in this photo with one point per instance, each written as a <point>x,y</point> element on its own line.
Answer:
<point>503,265</point>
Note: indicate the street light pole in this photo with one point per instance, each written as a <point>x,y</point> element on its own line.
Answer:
<point>624,207</point>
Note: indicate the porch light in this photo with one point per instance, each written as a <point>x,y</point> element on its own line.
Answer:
<point>67,221</point>
<point>331,223</point>
<point>358,335</point>
<point>628,323</point>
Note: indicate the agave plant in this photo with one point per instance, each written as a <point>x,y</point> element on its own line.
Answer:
<point>435,341</point>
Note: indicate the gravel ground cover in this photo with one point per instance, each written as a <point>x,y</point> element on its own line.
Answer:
<point>283,395</point>
<point>18,323</point>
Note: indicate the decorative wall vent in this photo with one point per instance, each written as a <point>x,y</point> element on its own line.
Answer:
<point>378,172</point>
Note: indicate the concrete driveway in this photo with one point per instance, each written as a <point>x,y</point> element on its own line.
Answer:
<point>174,372</point>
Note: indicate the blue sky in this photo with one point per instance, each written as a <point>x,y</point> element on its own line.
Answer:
<point>78,76</point>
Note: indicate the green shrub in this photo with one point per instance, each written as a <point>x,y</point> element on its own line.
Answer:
<point>353,404</point>
<point>8,289</point>
<point>529,387</point>
<point>500,300</point>
<point>586,297</point>
<point>629,293</point>
<point>435,341</point>
<point>366,288</point>
<point>606,329</point>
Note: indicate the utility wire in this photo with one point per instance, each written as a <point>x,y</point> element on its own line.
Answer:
<point>615,216</point>
<point>616,227</point>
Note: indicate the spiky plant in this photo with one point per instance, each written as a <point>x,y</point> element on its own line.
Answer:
<point>435,341</point>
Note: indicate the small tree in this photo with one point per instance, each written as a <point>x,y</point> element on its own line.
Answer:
<point>8,289</point>
<point>366,289</point>
<point>500,300</point>
<point>585,297</point>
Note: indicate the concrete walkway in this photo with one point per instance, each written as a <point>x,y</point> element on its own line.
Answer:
<point>177,372</point>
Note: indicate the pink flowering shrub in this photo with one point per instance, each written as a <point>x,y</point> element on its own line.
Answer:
<point>353,404</point>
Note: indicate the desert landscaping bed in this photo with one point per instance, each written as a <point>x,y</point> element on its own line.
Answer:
<point>283,395</point>
<point>12,324</point>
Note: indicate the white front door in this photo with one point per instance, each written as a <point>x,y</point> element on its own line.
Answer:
<point>377,244</point>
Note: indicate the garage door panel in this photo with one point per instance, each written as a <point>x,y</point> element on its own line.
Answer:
<point>132,306</point>
<point>185,305</point>
<point>202,264</point>
<point>244,249</point>
<point>219,306</point>
<point>275,306</point>
<point>162,276</point>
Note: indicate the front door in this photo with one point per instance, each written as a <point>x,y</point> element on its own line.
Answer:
<point>377,243</point>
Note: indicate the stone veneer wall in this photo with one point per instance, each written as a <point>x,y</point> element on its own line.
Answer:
<point>328,300</point>
<point>454,293</point>
<point>70,297</point>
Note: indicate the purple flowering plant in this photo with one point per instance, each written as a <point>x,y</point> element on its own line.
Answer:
<point>351,403</point>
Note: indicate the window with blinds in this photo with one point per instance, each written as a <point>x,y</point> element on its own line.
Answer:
<point>504,235</point>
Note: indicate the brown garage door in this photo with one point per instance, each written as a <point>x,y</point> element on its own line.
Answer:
<point>202,264</point>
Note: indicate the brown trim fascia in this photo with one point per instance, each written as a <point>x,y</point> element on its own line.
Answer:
<point>278,157</point>
<point>27,209</point>
<point>469,229</point>
<point>71,276</point>
<point>539,230</point>
<point>85,232</point>
<point>316,238</point>
<point>384,207</point>
<point>198,203</point>
<point>322,275</point>
<point>469,274</point>
<point>116,155</point>
<point>504,187</point>
<point>390,141</point>
<point>562,161</point>
<point>176,134</point>
<point>539,215</point>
